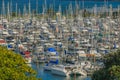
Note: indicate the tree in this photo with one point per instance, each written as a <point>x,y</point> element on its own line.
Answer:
<point>111,71</point>
<point>13,67</point>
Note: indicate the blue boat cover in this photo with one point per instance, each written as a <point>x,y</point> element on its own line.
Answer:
<point>51,50</point>
<point>9,46</point>
<point>54,62</point>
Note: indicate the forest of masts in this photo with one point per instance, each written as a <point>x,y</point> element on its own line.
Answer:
<point>50,12</point>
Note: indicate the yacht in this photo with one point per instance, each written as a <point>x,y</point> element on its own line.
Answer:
<point>50,64</point>
<point>61,70</point>
<point>77,70</point>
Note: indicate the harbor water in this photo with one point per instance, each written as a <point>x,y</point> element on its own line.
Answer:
<point>47,75</point>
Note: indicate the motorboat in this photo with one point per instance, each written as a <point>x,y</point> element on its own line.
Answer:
<point>61,70</point>
<point>50,64</point>
<point>77,70</point>
<point>48,67</point>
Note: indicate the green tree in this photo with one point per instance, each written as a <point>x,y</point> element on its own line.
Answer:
<point>13,67</point>
<point>111,71</point>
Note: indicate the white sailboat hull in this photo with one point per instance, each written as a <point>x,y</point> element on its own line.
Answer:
<point>59,71</point>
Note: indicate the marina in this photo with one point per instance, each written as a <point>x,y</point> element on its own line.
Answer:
<point>46,75</point>
<point>60,44</point>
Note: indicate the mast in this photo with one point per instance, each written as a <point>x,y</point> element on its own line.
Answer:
<point>19,12</point>
<point>24,11</point>
<point>110,12</point>
<point>106,7</point>
<point>118,11</point>
<point>77,8</point>
<point>111,24</point>
<point>36,7</point>
<point>83,4</point>
<point>8,12</point>
<point>11,7</point>
<point>3,8</point>
<point>43,11</point>
<point>29,9</point>
<point>16,10</point>
<point>70,10</point>
<point>45,6</point>
<point>53,9</point>
<point>60,12</point>
<point>49,12</point>
<point>66,13</point>
<point>95,10</point>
